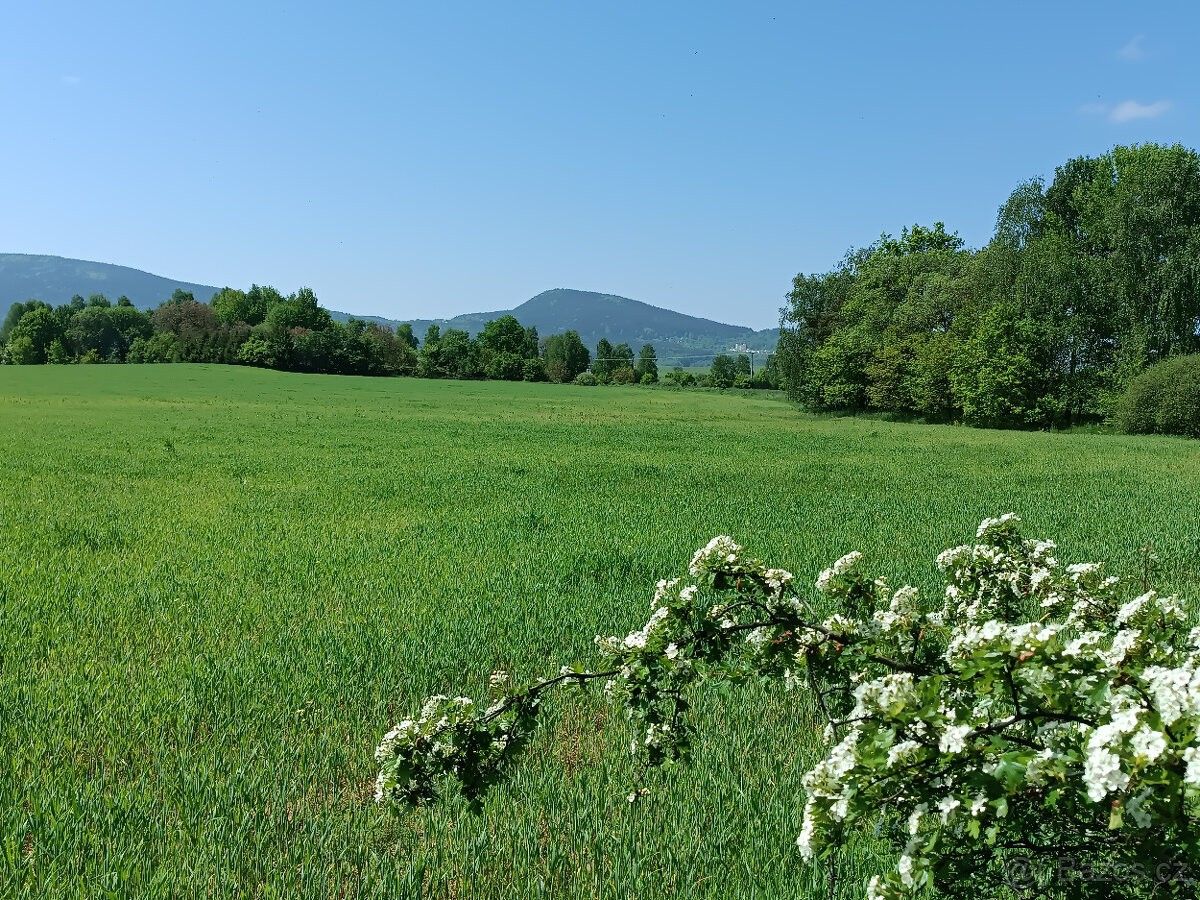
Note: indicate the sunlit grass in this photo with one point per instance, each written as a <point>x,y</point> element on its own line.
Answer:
<point>220,586</point>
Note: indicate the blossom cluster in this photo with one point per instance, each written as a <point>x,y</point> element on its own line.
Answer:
<point>1050,693</point>
<point>450,737</point>
<point>1030,701</point>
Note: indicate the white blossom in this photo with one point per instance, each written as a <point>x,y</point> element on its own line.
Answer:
<point>1191,756</point>
<point>905,868</point>
<point>777,579</point>
<point>914,818</point>
<point>720,551</point>
<point>1103,688</point>
<point>1148,744</point>
<point>1102,774</point>
<point>807,832</point>
<point>901,752</point>
<point>947,805</point>
<point>843,566</point>
<point>953,739</point>
<point>1122,643</point>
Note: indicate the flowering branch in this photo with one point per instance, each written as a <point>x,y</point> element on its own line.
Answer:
<point>1036,709</point>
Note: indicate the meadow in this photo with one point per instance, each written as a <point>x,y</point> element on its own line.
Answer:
<point>219,587</point>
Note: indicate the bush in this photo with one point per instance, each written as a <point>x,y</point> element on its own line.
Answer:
<point>505,366</point>
<point>1029,714</point>
<point>1165,399</point>
<point>161,348</point>
<point>647,378</point>
<point>587,379</point>
<point>22,352</point>
<point>257,352</point>
<point>56,353</point>
<point>535,369</point>
<point>681,378</point>
<point>622,375</point>
<point>724,370</point>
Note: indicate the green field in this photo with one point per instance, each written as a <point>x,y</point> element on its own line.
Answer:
<point>220,586</point>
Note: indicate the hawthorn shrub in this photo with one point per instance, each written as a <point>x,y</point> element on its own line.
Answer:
<point>1165,399</point>
<point>1033,712</point>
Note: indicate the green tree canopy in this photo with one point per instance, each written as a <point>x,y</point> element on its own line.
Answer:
<point>647,364</point>
<point>566,356</point>
<point>404,332</point>
<point>1085,283</point>
<point>233,306</point>
<point>14,315</point>
<point>723,371</point>
<point>459,354</point>
<point>30,338</point>
<point>299,310</point>
<point>503,335</point>
<point>602,362</point>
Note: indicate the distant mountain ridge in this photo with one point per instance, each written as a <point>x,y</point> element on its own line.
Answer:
<point>677,337</point>
<point>56,279</point>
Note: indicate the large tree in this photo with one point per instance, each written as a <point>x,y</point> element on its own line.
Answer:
<point>566,356</point>
<point>15,312</point>
<point>233,306</point>
<point>723,371</point>
<point>299,310</point>
<point>647,364</point>
<point>31,337</point>
<point>1086,282</point>
<point>503,335</point>
<point>429,360</point>
<point>459,354</point>
<point>602,362</point>
<point>404,332</point>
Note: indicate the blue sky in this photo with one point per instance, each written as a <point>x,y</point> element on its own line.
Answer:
<point>430,159</point>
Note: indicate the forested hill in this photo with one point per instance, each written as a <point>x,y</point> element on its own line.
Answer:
<point>56,279</point>
<point>621,320</point>
<point>679,339</point>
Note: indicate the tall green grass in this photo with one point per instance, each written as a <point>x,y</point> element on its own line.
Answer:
<point>218,587</point>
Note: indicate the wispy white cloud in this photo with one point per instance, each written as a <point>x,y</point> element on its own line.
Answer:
<point>70,80</point>
<point>1131,110</point>
<point>1134,49</point>
<point>1126,110</point>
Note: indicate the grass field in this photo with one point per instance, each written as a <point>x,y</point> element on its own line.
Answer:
<point>219,587</point>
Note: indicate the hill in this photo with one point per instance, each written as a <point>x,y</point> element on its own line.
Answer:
<point>680,339</point>
<point>56,279</point>
<point>688,340</point>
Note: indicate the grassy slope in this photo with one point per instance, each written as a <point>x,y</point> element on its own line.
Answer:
<point>219,586</point>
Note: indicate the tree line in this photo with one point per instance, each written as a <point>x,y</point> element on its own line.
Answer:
<point>255,327</point>
<point>262,327</point>
<point>1086,282</point>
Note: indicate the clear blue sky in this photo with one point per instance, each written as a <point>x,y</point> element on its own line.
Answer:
<point>418,160</point>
